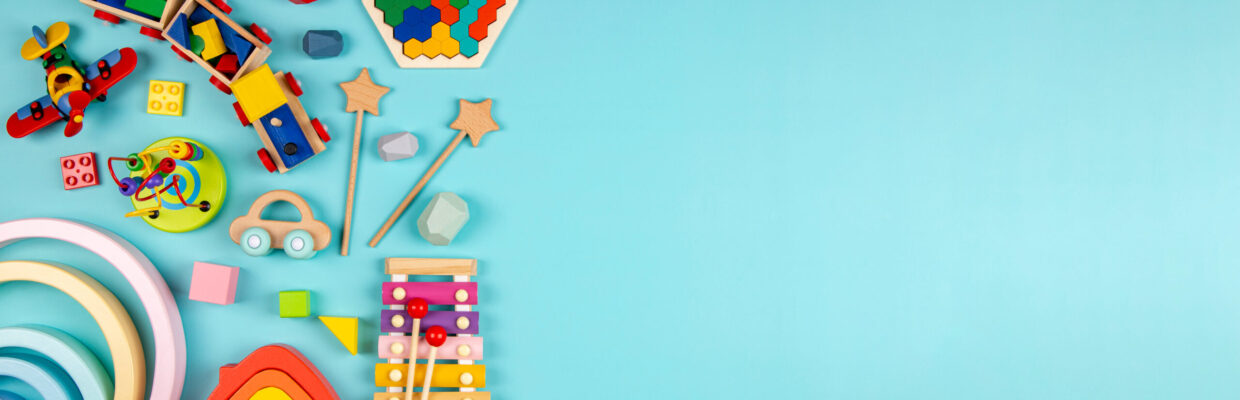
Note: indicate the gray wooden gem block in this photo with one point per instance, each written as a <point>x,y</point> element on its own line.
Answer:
<point>443,218</point>
<point>322,43</point>
<point>398,146</point>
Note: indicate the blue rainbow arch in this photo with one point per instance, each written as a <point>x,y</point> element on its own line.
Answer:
<point>82,368</point>
<point>40,377</point>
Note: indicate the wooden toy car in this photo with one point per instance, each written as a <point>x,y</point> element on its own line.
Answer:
<point>299,239</point>
<point>225,49</point>
<point>269,101</point>
<point>153,15</point>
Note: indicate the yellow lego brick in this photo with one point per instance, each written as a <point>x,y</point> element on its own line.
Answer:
<point>165,98</point>
<point>213,41</point>
<point>258,92</point>
<point>445,375</point>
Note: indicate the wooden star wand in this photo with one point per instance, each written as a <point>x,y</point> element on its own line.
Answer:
<point>473,120</point>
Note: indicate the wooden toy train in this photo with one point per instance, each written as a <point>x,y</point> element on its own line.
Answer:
<point>201,31</point>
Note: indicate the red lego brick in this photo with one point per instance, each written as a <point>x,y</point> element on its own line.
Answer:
<point>79,171</point>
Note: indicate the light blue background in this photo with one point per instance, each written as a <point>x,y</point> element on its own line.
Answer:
<point>879,199</point>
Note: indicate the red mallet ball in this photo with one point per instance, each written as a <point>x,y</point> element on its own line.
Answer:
<point>435,336</point>
<point>417,308</point>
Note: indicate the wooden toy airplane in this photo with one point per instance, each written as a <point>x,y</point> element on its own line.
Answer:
<point>70,88</point>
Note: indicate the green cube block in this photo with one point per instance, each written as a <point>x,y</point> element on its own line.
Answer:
<point>152,8</point>
<point>294,304</point>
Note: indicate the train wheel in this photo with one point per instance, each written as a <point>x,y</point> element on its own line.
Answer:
<point>151,33</point>
<point>319,129</point>
<point>261,33</point>
<point>220,4</point>
<point>107,17</point>
<point>293,85</point>
<point>266,159</point>
<point>223,87</point>
<point>181,54</point>
<point>241,114</point>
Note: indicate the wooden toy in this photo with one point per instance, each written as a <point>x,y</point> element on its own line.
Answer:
<point>221,36</point>
<point>289,136</point>
<point>299,239</point>
<point>79,171</point>
<point>440,33</point>
<point>322,43</point>
<point>271,384</point>
<point>453,331</point>
<point>443,218</point>
<point>68,354</point>
<point>211,283</point>
<point>150,14</point>
<point>474,120</point>
<point>362,95</point>
<point>176,184</point>
<point>165,98</point>
<point>398,146</point>
<point>294,303</point>
<point>122,338</point>
<point>296,376</point>
<point>344,329</point>
<point>70,88</point>
<point>167,333</point>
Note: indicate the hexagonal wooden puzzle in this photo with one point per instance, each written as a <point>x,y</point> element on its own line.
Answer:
<point>440,33</point>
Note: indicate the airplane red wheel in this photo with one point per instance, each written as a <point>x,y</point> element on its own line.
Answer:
<point>181,54</point>
<point>220,4</point>
<point>223,87</point>
<point>293,85</point>
<point>266,159</point>
<point>261,33</point>
<point>107,17</point>
<point>241,114</point>
<point>151,33</point>
<point>319,129</point>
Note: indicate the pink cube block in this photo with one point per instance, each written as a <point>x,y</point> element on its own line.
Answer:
<point>212,283</point>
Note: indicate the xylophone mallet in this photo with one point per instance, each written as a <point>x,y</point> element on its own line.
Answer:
<point>435,336</point>
<point>417,309</point>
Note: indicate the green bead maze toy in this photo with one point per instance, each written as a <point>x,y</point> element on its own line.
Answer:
<point>175,184</point>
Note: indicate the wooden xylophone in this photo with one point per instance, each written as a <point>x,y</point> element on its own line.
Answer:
<point>418,298</point>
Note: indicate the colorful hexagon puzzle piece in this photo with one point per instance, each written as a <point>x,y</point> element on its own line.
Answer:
<point>165,98</point>
<point>418,32</point>
<point>79,171</point>
<point>294,304</point>
<point>211,283</point>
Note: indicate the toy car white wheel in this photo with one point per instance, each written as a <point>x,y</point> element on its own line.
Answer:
<point>256,241</point>
<point>298,244</point>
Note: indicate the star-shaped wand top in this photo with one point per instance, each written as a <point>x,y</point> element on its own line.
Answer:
<point>363,94</point>
<point>475,120</point>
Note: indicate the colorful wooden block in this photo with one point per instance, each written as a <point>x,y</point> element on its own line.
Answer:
<point>209,30</point>
<point>259,93</point>
<point>454,348</point>
<point>455,322</point>
<point>294,304</point>
<point>398,146</point>
<point>322,43</point>
<point>345,330</point>
<point>435,293</point>
<point>152,8</point>
<point>165,98</point>
<point>211,283</point>
<point>227,64</point>
<point>79,171</point>
<point>178,31</point>
<point>445,376</point>
<point>435,396</point>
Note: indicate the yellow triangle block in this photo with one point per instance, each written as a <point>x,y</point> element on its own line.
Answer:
<point>345,329</point>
